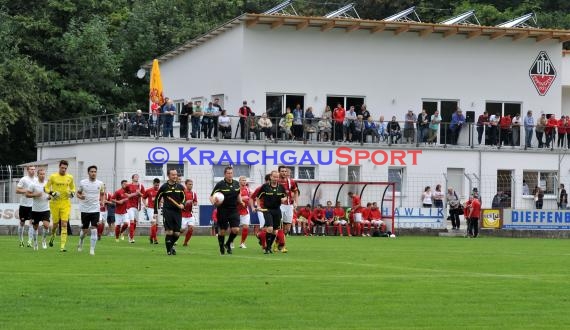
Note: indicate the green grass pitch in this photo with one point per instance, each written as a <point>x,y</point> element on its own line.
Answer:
<point>323,282</point>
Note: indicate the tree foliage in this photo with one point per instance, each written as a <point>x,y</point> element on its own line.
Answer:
<point>68,58</point>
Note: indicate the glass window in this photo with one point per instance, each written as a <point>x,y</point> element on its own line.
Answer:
<point>546,180</point>
<point>153,170</point>
<point>306,173</point>
<point>178,167</point>
<point>354,173</point>
<point>396,175</point>
<point>239,170</point>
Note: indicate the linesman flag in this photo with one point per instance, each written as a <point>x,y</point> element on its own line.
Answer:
<point>156,93</point>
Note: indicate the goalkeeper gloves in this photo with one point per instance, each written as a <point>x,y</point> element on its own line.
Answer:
<point>54,194</point>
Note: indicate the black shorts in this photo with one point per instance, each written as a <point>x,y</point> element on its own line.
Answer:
<point>110,219</point>
<point>38,217</point>
<point>272,218</point>
<point>89,219</point>
<point>172,220</point>
<point>25,213</point>
<point>228,218</point>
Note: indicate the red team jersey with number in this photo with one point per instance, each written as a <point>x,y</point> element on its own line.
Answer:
<point>190,198</point>
<point>150,196</point>
<point>245,193</point>
<point>120,195</point>
<point>135,201</point>
<point>290,188</point>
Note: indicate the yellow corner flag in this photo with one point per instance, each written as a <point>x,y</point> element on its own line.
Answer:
<point>156,93</point>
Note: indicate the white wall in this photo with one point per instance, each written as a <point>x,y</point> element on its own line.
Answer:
<point>404,68</point>
<point>565,71</point>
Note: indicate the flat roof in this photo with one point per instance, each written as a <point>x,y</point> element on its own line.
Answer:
<point>372,26</point>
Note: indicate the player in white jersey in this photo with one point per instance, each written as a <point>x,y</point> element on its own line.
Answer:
<point>40,208</point>
<point>25,210</point>
<point>91,192</point>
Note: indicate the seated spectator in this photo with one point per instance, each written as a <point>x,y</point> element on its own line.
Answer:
<point>266,126</point>
<point>224,125</point>
<point>358,133</point>
<point>325,125</point>
<point>253,127</point>
<point>382,129</point>
<point>339,219</point>
<point>286,123</point>
<point>139,124</point>
<point>394,130</point>
<point>376,218</point>
<point>319,221</point>
<point>304,218</point>
<point>309,123</point>
<point>370,128</point>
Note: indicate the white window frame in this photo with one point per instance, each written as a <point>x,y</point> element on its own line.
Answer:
<point>164,169</point>
<point>539,182</point>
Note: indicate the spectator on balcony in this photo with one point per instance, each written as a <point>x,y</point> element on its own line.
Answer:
<point>266,126</point>
<point>139,124</point>
<point>217,112</point>
<point>325,125</point>
<point>364,112</point>
<point>309,123</point>
<point>540,126</point>
<point>482,121</point>
<point>562,129</point>
<point>195,118</point>
<point>298,118</point>
<point>528,128</point>
<point>409,130</point>
<point>358,133</point>
<point>423,126</point>
<point>225,125</point>
<point>168,112</point>
<point>184,117</point>
<point>208,120</point>
<point>550,130</point>
<point>457,121</point>
<point>154,119</point>
<point>244,112</point>
<point>339,114</point>
<point>382,129</point>
<point>516,131</point>
<point>505,124</point>
<point>349,121</point>
<point>394,130</point>
<point>370,128</point>
<point>493,128</point>
<point>434,122</point>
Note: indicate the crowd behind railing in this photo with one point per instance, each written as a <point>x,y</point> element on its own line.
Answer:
<point>340,125</point>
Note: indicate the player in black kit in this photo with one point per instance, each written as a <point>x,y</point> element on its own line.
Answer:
<point>173,195</point>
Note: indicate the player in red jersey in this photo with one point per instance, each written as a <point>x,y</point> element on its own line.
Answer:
<point>366,219</point>
<point>188,219</point>
<point>356,212</point>
<point>319,220</point>
<point>292,191</point>
<point>376,217</point>
<point>305,214</point>
<point>339,219</point>
<point>135,191</point>
<point>148,200</point>
<point>120,198</point>
<point>243,210</point>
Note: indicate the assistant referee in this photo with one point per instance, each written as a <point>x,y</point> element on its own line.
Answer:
<point>174,199</point>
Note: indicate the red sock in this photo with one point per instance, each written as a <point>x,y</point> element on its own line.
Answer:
<point>117,231</point>
<point>100,228</point>
<point>124,227</point>
<point>188,235</point>
<point>262,235</point>
<point>347,229</point>
<point>132,230</point>
<point>244,233</point>
<point>369,227</point>
<point>153,230</point>
<point>281,238</point>
<point>339,229</point>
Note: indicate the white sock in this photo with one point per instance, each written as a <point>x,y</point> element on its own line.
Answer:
<point>21,232</point>
<point>30,233</point>
<point>81,237</point>
<point>93,239</point>
<point>45,232</point>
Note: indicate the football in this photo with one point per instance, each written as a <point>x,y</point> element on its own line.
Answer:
<point>392,236</point>
<point>218,198</point>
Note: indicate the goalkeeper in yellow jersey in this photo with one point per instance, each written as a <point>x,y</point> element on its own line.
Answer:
<point>60,187</point>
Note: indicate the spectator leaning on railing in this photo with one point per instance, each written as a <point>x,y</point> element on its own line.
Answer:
<point>266,126</point>
<point>434,122</point>
<point>457,121</point>
<point>528,128</point>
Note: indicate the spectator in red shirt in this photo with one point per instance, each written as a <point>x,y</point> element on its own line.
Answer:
<point>472,212</point>
<point>319,220</point>
<point>562,130</point>
<point>550,130</point>
<point>338,115</point>
<point>244,112</point>
<point>505,125</point>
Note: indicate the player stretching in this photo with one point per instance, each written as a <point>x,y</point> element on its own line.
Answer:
<point>174,199</point>
<point>120,198</point>
<point>136,191</point>
<point>91,193</point>
<point>228,216</point>
<point>40,208</point>
<point>188,219</point>
<point>287,208</point>
<point>148,200</point>
<point>243,210</point>
<point>61,188</point>
<point>25,211</point>
<point>273,195</point>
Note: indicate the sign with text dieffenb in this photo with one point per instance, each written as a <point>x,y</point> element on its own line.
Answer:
<point>536,219</point>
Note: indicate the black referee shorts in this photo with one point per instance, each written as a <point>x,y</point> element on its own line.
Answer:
<point>89,219</point>
<point>25,213</point>
<point>272,218</point>
<point>172,219</point>
<point>228,218</point>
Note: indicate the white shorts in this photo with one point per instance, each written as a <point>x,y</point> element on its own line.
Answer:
<point>358,217</point>
<point>287,213</point>
<point>244,220</point>
<point>133,213</point>
<point>342,222</point>
<point>186,222</point>
<point>377,222</point>
<point>103,217</point>
<point>261,219</point>
<point>120,219</point>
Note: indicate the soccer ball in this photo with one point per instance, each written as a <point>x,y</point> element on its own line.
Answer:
<point>218,198</point>
<point>392,236</point>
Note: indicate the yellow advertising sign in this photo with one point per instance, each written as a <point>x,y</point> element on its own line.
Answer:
<point>491,219</point>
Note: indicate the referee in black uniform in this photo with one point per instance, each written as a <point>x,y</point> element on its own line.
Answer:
<point>172,193</point>
<point>272,194</point>
<point>228,216</point>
